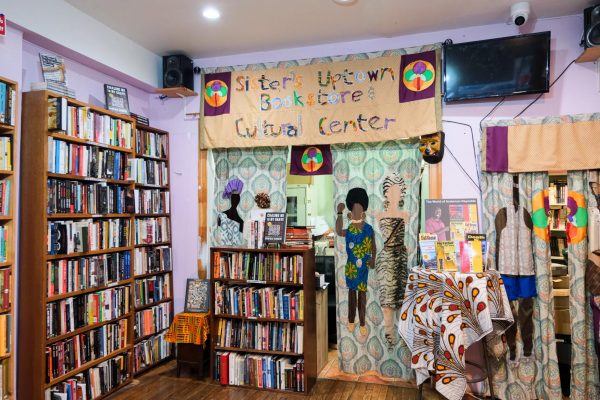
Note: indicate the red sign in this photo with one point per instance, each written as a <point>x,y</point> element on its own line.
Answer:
<point>2,25</point>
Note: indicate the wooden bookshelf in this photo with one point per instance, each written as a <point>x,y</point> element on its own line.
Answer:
<point>589,55</point>
<point>176,92</point>
<point>157,150</point>
<point>309,344</point>
<point>34,257</point>
<point>9,129</point>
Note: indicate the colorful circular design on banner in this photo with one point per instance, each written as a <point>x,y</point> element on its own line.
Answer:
<point>577,218</point>
<point>312,159</point>
<point>216,93</point>
<point>540,207</point>
<point>418,75</point>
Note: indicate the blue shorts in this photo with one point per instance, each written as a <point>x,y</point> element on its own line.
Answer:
<point>519,287</point>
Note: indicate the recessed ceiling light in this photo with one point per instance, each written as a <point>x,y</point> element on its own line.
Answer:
<point>345,2</point>
<point>211,13</point>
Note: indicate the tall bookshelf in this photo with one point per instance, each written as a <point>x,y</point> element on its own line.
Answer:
<point>153,277</point>
<point>9,93</point>
<point>249,288</point>
<point>90,288</point>
<point>557,196</point>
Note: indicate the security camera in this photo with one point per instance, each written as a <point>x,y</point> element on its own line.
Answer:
<point>519,13</point>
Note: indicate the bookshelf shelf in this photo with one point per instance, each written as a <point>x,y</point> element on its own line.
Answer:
<point>35,238</point>
<point>85,329</point>
<point>176,92</point>
<point>9,128</point>
<point>153,141</point>
<point>72,139</point>
<point>304,329</point>
<point>589,55</point>
<point>259,319</point>
<point>87,366</point>
<point>89,290</point>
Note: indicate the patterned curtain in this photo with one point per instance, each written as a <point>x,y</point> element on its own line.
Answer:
<point>261,169</point>
<point>367,166</point>
<point>537,377</point>
<point>584,369</point>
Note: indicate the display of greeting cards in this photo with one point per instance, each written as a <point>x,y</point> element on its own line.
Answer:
<point>446,256</point>
<point>427,245</point>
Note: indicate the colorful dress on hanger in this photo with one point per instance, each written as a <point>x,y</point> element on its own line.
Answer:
<point>391,263</point>
<point>229,231</point>
<point>359,251</point>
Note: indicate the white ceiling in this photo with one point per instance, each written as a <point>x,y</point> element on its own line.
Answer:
<point>177,26</point>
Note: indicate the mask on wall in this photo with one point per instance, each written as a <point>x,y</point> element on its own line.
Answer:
<point>432,147</point>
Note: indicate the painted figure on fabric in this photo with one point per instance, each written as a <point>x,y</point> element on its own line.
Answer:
<point>436,225</point>
<point>392,259</point>
<point>432,147</point>
<point>360,249</point>
<point>230,223</point>
<point>514,259</point>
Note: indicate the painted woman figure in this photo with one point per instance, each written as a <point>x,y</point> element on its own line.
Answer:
<point>392,259</point>
<point>230,223</point>
<point>360,249</point>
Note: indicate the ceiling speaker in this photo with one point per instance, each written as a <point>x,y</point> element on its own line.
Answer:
<point>591,26</point>
<point>178,71</point>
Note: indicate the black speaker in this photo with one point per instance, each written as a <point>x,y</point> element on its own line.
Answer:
<point>591,26</point>
<point>178,71</point>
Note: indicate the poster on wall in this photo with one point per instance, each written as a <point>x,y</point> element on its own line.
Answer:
<point>116,99</point>
<point>356,98</point>
<point>451,219</point>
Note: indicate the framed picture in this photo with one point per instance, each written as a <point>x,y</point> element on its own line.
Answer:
<point>197,295</point>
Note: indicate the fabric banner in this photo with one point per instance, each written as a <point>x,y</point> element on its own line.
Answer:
<point>356,98</point>
<point>311,160</point>
<point>535,145</point>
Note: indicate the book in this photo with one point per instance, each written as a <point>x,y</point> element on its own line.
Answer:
<point>477,247</point>
<point>275,224</point>
<point>116,99</point>
<point>3,95</point>
<point>427,246</point>
<point>446,256</point>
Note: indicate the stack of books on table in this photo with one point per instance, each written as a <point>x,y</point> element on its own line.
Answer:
<point>298,237</point>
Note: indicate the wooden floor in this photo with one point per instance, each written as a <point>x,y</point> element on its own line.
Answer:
<point>162,384</point>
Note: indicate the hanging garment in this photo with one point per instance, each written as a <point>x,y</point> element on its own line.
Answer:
<point>230,231</point>
<point>514,257</point>
<point>391,263</point>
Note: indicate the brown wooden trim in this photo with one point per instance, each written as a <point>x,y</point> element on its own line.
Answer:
<point>435,181</point>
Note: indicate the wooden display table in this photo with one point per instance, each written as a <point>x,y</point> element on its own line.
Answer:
<point>190,331</point>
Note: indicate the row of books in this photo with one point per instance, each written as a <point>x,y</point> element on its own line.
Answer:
<point>84,123</point>
<point>558,218</point>
<point>270,372</point>
<point>252,302</point>
<point>65,276</point>
<point>5,197</point>
<point>557,245</point>
<point>148,172</point>
<point>152,201</point>
<point>93,382</point>
<point>66,315</point>
<point>152,259</point>
<point>8,100</point>
<point>298,236</point>
<point>153,320</point>
<point>267,336</point>
<point>150,351</point>
<point>152,230</point>
<point>152,144</point>
<point>67,237</point>
<point>67,355</point>
<point>259,266</point>
<point>464,255</point>
<point>3,243</point>
<point>558,192</point>
<point>152,290</point>
<point>88,198</point>
<point>5,334</point>
<point>5,288</point>
<point>85,160</point>
<point>6,160</point>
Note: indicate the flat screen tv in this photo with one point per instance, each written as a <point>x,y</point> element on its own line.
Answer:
<point>497,67</point>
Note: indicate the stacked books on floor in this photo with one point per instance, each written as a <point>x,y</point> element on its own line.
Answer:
<point>150,351</point>
<point>259,266</point>
<point>298,237</point>
<point>267,372</point>
<point>269,302</point>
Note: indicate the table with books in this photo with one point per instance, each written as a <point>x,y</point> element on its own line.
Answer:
<point>190,331</point>
<point>443,313</point>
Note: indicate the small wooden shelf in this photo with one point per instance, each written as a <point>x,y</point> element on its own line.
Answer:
<point>85,329</point>
<point>5,264</point>
<point>4,357</point>
<point>252,282</point>
<point>153,244</point>
<point>150,157</point>
<point>88,365</point>
<point>88,179</point>
<point>4,172</point>
<point>87,253</point>
<point>259,319</point>
<point>177,92</point>
<point>144,185</point>
<point>141,339</point>
<point>88,290</point>
<point>152,215</point>
<point>150,305</point>
<point>73,139</point>
<point>5,128</point>
<point>275,353</point>
<point>589,55</point>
